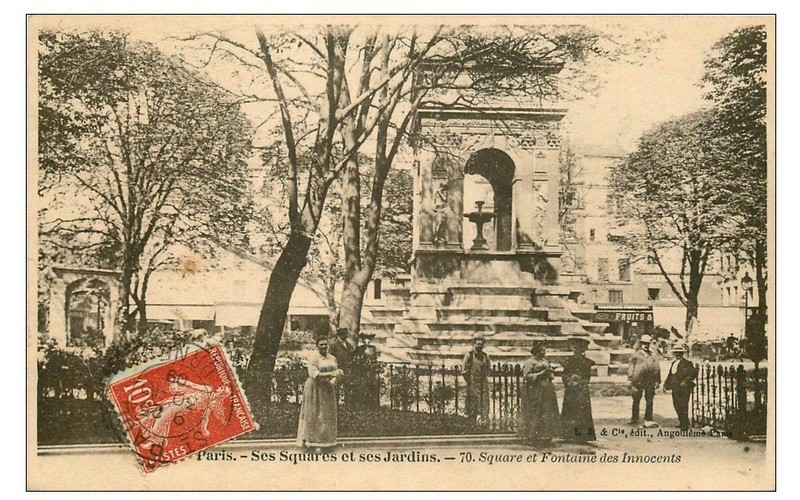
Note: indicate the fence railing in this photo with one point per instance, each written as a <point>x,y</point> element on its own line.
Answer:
<point>428,388</point>
<point>727,398</point>
<point>731,399</point>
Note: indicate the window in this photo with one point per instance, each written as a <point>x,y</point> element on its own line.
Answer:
<point>376,289</point>
<point>591,234</point>
<point>602,269</point>
<point>615,296</point>
<point>624,270</point>
<point>653,293</point>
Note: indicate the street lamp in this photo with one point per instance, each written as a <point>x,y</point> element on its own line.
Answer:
<point>747,284</point>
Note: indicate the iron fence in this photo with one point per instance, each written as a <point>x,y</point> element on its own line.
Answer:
<point>731,399</point>
<point>427,388</point>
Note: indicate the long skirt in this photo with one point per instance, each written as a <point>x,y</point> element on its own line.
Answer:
<point>576,415</point>
<point>478,400</point>
<point>317,426</point>
<point>538,418</point>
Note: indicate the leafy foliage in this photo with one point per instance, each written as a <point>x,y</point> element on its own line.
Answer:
<point>674,194</point>
<point>736,83</point>
<point>136,153</point>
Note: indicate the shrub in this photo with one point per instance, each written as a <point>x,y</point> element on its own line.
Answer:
<point>440,397</point>
<point>402,387</point>
<point>296,340</point>
<point>288,378</point>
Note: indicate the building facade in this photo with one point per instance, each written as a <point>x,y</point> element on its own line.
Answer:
<point>600,270</point>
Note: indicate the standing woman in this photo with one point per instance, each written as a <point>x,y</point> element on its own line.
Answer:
<point>539,421</point>
<point>317,427</point>
<point>576,412</point>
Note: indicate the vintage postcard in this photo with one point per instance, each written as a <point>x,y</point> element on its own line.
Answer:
<point>401,253</point>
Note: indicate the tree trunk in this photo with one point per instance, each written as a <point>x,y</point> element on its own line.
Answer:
<point>755,326</point>
<point>761,277</point>
<point>126,281</point>
<point>141,327</point>
<point>330,297</point>
<point>350,309</point>
<point>691,316</point>
<point>271,321</point>
<point>692,293</point>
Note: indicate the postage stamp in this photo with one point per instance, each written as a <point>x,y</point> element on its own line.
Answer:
<point>180,404</point>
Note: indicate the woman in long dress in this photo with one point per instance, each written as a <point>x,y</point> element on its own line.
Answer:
<point>539,421</point>
<point>317,426</point>
<point>576,412</point>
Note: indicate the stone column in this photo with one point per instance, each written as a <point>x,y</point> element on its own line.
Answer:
<point>551,174</point>
<point>424,197</point>
<point>524,202</point>
<point>455,205</point>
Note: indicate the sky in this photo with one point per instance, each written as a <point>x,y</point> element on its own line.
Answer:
<point>635,97</point>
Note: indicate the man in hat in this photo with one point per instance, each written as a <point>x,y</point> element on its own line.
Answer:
<point>363,391</point>
<point>680,380</point>
<point>644,375</point>
<point>476,365</point>
<point>340,349</point>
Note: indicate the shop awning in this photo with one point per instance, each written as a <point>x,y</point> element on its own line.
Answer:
<point>233,315</point>
<point>307,311</point>
<point>628,313</point>
<point>180,312</point>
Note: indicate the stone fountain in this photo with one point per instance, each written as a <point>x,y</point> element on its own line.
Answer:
<point>479,218</point>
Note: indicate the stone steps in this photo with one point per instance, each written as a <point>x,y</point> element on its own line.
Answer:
<point>466,338</point>
<point>470,313</point>
<point>388,312</point>
<point>369,326</point>
<point>598,328</point>
<point>584,314</point>
<point>438,322</point>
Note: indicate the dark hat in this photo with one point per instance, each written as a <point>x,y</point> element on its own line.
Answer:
<point>363,335</point>
<point>340,331</point>
<point>538,345</point>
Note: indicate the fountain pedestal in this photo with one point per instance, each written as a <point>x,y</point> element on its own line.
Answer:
<point>479,218</point>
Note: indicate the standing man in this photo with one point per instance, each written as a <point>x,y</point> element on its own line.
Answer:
<point>341,349</point>
<point>476,374</point>
<point>644,375</point>
<point>363,390</point>
<point>343,352</point>
<point>680,380</point>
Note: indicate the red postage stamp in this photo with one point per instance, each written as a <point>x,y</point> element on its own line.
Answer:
<point>180,404</point>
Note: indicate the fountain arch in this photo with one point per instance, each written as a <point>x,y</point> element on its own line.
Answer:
<point>497,168</point>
